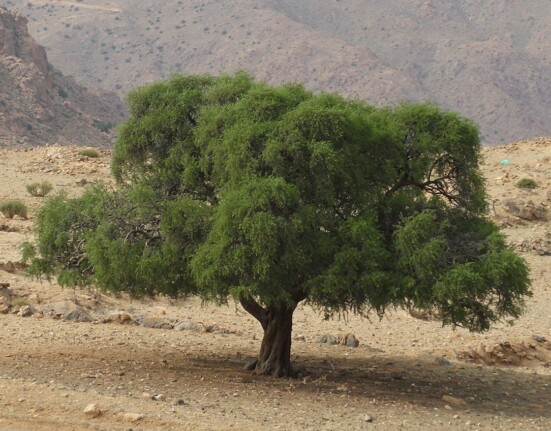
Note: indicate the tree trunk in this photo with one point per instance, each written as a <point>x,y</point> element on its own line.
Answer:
<point>274,358</point>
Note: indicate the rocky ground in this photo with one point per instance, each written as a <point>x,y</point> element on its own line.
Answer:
<point>83,360</point>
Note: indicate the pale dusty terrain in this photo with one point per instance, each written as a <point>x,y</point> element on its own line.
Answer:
<point>51,369</point>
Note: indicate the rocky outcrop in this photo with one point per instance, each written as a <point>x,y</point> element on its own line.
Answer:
<point>38,104</point>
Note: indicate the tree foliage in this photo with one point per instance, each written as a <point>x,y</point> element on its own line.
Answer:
<point>230,188</point>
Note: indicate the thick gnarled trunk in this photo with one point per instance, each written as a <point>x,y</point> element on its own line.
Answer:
<point>274,358</point>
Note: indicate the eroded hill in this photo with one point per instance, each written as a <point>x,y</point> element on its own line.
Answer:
<point>38,105</point>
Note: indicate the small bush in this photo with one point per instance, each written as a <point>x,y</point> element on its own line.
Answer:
<point>20,302</point>
<point>13,208</point>
<point>104,126</point>
<point>527,183</point>
<point>39,189</point>
<point>89,152</point>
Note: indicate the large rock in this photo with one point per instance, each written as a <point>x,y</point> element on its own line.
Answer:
<point>540,245</point>
<point>327,339</point>
<point>187,325</point>
<point>155,322</point>
<point>121,317</point>
<point>350,340</point>
<point>92,411</point>
<point>26,311</point>
<point>68,310</point>
<point>346,340</point>
<point>526,211</point>
<point>5,298</point>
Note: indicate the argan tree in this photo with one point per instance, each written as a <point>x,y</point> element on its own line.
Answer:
<point>230,188</point>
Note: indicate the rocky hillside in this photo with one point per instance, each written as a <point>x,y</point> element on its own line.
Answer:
<point>489,61</point>
<point>38,104</point>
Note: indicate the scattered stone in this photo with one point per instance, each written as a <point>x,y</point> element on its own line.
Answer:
<point>539,338</point>
<point>92,411</point>
<point>300,338</point>
<point>8,267</point>
<point>528,211</point>
<point>365,418</point>
<point>509,353</point>
<point>186,325</point>
<point>435,360</point>
<point>427,315</point>
<point>82,182</point>
<point>132,417</point>
<point>327,339</point>
<point>68,310</point>
<point>347,340</point>
<point>540,245</point>
<point>7,228</point>
<point>155,322</point>
<point>121,317</point>
<point>350,340</point>
<point>159,397</point>
<point>180,402</point>
<point>453,401</point>
<point>5,298</point>
<point>26,311</point>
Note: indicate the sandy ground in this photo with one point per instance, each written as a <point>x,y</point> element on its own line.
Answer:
<point>407,373</point>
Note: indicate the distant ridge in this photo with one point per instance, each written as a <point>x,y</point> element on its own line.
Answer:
<point>488,60</point>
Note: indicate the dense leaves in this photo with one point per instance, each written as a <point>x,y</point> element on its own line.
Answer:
<point>273,195</point>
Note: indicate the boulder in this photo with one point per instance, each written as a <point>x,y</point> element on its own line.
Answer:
<point>349,340</point>
<point>327,339</point>
<point>186,325</point>
<point>155,322</point>
<point>26,311</point>
<point>526,211</point>
<point>68,310</point>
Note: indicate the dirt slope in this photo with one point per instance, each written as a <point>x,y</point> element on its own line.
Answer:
<point>489,61</point>
<point>407,373</point>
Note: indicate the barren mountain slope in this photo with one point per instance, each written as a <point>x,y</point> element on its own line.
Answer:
<point>489,61</point>
<point>177,365</point>
<point>37,104</point>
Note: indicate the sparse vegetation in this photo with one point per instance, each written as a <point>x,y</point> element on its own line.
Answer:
<point>527,183</point>
<point>89,152</point>
<point>39,189</point>
<point>13,208</point>
<point>104,126</point>
<point>20,302</point>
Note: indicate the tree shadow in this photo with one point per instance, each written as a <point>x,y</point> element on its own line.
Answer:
<point>483,389</point>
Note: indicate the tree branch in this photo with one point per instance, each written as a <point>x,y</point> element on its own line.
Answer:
<point>255,309</point>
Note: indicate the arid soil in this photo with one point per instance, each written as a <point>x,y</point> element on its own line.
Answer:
<point>164,364</point>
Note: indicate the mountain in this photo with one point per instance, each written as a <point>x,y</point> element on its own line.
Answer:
<point>38,105</point>
<point>488,60</point>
